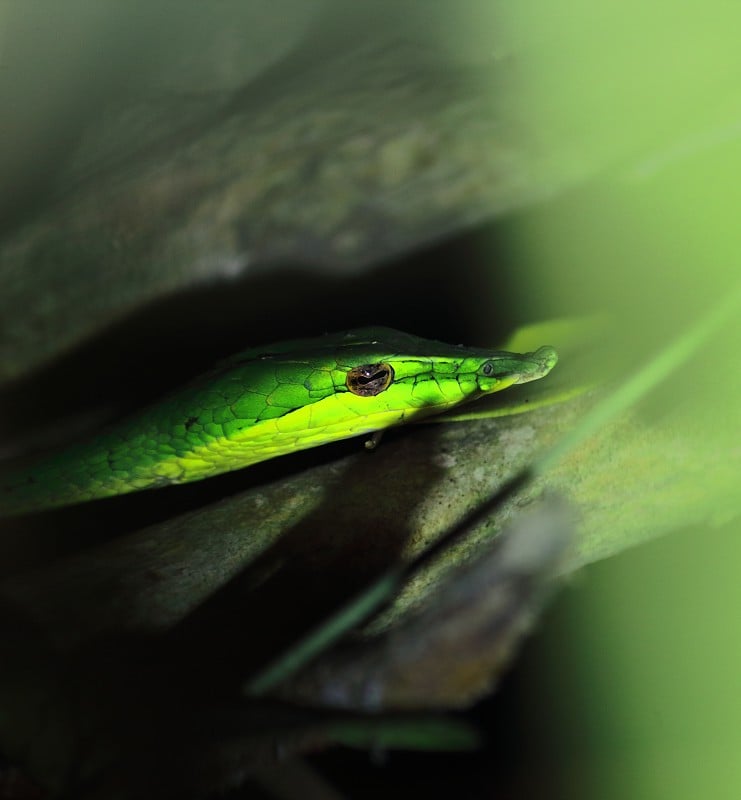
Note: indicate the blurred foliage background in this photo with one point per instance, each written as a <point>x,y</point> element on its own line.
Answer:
<point>180,181</point>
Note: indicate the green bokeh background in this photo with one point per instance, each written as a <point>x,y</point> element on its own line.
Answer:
<point>645,650</point>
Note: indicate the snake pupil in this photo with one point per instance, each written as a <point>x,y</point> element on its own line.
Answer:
<point>369,380</point>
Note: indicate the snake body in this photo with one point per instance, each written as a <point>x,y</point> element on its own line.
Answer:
<point>266,402</point>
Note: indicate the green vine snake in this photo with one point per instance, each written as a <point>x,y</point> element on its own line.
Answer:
<point>267,402</point>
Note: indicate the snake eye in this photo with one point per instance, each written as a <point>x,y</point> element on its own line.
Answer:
<point>369,380</point>
<point>487,369</point>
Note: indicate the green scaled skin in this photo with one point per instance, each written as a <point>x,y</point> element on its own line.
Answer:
<point>267,402</point>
